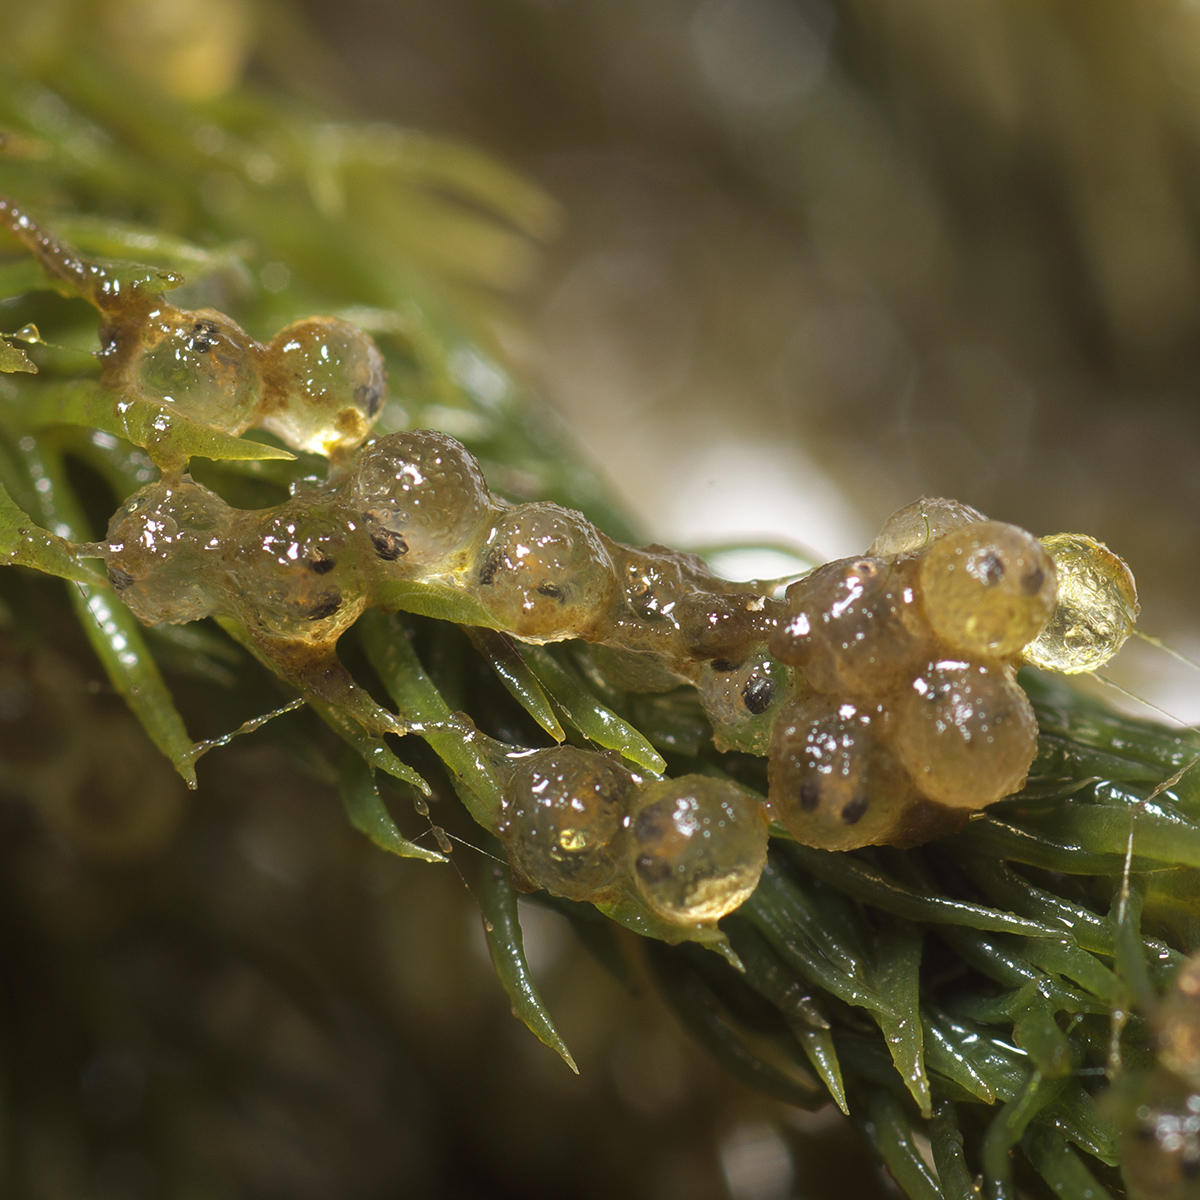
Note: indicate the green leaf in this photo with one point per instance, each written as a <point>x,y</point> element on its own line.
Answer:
<point>13,358</point>
<point>518,680</point>
<point>475,761</point>
<point>1059,1165</point>
<point>868,883</point>
<point>23,543</point>
<point>703,1015</point>
<point>892,1134</point>
<point>949,1157</point>
<point>897,975</point>
<point>368,814</point>
<point>596,722</point>
<point>502,927</point>
<point>166,435</point>
<point>113,631</point>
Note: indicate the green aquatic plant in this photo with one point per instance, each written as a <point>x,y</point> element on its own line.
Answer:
<point>1002,1007</point>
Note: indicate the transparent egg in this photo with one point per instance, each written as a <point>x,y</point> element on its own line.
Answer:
<point>1159,1147</point>
<point>917,525</point>
<point>544,573</point>
<point>563,821</point>
<point>740,699</point>
<point>965,732</point>
<point>833,783</point>
<point>1097,606</point>
<point>854,627</point>
<point>323,386</point>
<point>165,551</point>
<point>697,846</point>
<point>202,363</point>
<point>988,589</point>
<point>654,578</point>
<point>421,497</point>
<point>296,572</point>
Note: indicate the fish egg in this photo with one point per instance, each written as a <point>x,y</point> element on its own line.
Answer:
<point>323,386</point>
<point>296,571</point>
<point>544,573</point>
<point>965,732</point>
<point>1097,606</point>
<point>697,847</point>
<point>917,525</point>
<point>165,548</point>
<point>563,821</point>
<point>854,627</point>
<point>988,589</point>
<point>833,783</point>
<point>422,498</point>
<point>202,364</point>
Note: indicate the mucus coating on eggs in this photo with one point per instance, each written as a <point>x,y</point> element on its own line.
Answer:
<point>697,847</point>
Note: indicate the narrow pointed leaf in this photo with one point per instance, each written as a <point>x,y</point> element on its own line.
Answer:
<point>519,681</point>
<point>165,434</point>
<point>502,927</point>
<point>368,814</point>
<point>596,722</point>
<point>23,543</point>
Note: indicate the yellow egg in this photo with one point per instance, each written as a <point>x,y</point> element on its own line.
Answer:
<point>987,589</point>
<point>1097,606</point>
<point>323,386</point>
<point>833,782</point>
<point>563,821</point>
<point>697,847</point>
<point>965,732</point>
<point>854,627</point>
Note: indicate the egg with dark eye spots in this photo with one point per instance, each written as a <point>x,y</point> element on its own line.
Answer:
<point>563,821</point>
<point>544,574</point>
<point>422,500</point>
<point>295,571</point>
<point>201,364</point>
<point>833,782</point>
<point>987,589</point>
<point>697,847</point>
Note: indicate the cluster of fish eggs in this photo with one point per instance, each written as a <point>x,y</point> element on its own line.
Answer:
<point>317,385</point>
<point>881,687</point>
<point>906,704</point>
<point>581,825</point>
